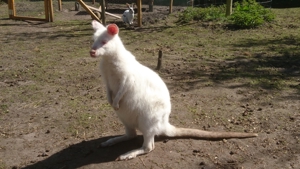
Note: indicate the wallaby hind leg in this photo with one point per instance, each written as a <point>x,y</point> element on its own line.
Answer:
<point>147,147</point>
<point>130,134</point>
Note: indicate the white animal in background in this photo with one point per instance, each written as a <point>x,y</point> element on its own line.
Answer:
<point>138,95</point>
<point>128,14</point>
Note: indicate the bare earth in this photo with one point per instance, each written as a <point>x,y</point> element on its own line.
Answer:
<point>54,113</point>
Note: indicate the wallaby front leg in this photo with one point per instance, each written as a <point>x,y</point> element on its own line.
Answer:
<point>109,96</point>
<point>122,90</point>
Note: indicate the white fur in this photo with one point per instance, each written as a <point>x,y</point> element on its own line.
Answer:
<point>138,95</point>
<point>128,15</point>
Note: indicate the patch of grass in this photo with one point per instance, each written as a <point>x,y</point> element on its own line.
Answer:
<point>213,13</point>
<point>246,14</point>
<point>2,165</point>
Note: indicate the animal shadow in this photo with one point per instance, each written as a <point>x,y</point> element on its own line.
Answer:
<point>85,153</point>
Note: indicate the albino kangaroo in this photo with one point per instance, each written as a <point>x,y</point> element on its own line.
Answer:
<point>138,95</point>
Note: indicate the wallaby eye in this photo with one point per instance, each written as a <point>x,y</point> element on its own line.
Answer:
<point>103,42</point>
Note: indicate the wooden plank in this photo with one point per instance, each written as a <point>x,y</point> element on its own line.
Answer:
<point>88,10</point>
<point>93,8</point>
<point>29,18</point>
<point>107,13</point>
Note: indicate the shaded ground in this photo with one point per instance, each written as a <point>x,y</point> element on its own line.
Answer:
<point>53,111</point>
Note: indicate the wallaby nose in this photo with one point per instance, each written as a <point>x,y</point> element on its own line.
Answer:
<point>93,53</point>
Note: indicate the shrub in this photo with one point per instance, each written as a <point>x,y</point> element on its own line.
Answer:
<point>212,13</point>
<point>250,14</point>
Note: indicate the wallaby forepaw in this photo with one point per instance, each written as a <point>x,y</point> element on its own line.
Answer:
<point>107,143</point>
<point>125,157</point>
<point>104,144</point>
<point>115,106</point>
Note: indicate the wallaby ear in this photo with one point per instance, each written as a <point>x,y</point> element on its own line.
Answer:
<point>96,25</point>
<point>127,4</point>
<point>112,29</point>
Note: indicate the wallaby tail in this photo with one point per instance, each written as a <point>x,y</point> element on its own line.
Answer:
<point>172,131</point>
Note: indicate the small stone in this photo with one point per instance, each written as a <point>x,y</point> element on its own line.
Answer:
<point>196,151</point>
<point>166,140</point>
<point>231,161</point>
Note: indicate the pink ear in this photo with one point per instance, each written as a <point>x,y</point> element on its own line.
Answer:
<point>112,29</point>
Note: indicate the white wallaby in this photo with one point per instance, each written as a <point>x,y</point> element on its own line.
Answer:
<point>128,14</point>
<point>138,95</point>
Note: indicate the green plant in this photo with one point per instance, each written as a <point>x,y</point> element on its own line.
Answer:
<point>250,14</point>
<point>187,15</point>
<point>3,109</point>
<point>212,13</point>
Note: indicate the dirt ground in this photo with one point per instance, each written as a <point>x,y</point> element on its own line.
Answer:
<point>54,113</point>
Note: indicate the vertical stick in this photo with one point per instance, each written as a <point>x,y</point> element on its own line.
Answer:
<point>93,2</point>
<point>10,9</point>
<point>102,3</point>
<point>159,60</point>
<point>13,10</point>
<point>50,5</point>
<point>139,5</point>
<point>171,6</point>
<point>151,5</point>
<point>46,4</point>
<point>59,5</point>
<point>228,7</point>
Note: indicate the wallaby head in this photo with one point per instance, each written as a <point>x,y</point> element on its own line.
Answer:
<point>130,8</point>
<point>105,39</point>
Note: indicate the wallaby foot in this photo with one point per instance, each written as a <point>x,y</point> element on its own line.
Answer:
<point>147,147</point>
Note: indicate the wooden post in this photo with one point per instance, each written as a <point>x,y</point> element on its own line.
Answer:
<point>77,6</point>
<point>59,5</point>
<point>139,6</point>
<point>50,7</point>
<point>11,9</point>
<point>228,7</point>
<point>159,60</point>
<point>171,6</point>
<point>102,3</point>
<point>47,18</point>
